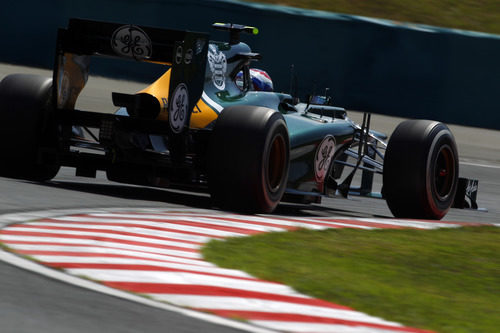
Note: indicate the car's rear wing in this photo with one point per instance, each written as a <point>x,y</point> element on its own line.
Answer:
<point>185,52</point>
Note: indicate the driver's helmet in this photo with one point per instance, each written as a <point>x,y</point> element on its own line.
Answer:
<point>261,81</point>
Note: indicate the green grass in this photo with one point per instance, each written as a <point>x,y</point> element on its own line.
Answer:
<point>477,15</point>
<point>446,280</point>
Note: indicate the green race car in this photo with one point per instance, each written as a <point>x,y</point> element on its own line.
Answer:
<point>204,126</point>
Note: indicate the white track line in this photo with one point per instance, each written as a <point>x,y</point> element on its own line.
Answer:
<point>481,165</point>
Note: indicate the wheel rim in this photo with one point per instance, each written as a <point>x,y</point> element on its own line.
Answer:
<point>276,163</point>
<point>444,173</point>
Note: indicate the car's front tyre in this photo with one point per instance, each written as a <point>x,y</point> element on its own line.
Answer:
<point>420,170</point>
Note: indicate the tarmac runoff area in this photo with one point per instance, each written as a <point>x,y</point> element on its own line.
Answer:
<point>156,253</point>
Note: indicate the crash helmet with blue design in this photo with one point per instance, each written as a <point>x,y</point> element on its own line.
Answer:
<point>261,81</point>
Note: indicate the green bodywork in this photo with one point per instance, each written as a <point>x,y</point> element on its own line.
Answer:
<point>306,135</point>
<point>306,130</point>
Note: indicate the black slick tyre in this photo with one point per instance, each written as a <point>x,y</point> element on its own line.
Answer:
<point>420,170</point>
<point>248,159</point>
<point>28,134</point>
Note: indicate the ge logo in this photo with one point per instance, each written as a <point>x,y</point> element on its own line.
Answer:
<point>323,157</point>
<point>179,105</point>
<point>132,42</point>
<point>218,66</point>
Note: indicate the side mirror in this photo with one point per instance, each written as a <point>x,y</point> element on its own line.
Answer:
<point>318,100</point>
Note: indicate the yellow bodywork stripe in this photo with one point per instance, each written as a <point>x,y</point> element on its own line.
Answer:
<point>202,114</point>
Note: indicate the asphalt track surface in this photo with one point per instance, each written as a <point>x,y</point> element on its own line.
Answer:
<point>30,302</point>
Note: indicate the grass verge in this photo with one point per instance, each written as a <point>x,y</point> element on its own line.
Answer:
<point>447,280</point>
<point>480,15</point>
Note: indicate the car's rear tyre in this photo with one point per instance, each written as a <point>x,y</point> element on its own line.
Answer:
<point>420,170</point>
<point>28,134</point>
<point>248,159</point>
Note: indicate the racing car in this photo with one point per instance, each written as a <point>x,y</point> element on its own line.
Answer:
<point>203,126</point>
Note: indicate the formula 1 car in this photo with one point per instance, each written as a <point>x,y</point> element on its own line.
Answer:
<point>201,126</point>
